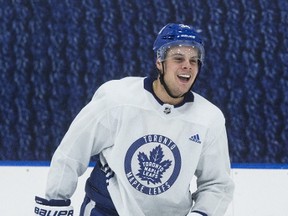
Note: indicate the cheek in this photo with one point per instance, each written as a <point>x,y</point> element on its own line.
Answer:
<point>172,68</point>
<point>195,73</point>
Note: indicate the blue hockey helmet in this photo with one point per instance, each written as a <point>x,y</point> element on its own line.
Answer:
<point>177,35</point>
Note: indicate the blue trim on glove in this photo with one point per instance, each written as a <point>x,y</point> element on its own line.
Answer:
<point>202,213</point>
<point>52,202</point>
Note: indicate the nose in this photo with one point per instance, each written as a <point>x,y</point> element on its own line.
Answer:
<point>186,65</point>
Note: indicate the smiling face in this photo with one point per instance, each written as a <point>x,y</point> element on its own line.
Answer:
<point>180,68</point>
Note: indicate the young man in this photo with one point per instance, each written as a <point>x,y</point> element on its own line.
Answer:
<point>152,136</point>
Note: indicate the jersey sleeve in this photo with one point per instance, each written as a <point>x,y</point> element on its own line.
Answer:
<point>214,184</point>
<point>88,135</point>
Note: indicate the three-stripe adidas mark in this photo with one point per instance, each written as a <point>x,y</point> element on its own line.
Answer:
<point>195,138</point>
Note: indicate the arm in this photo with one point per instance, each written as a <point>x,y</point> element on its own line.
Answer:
<point>214,185</point>
<point>88,134</point>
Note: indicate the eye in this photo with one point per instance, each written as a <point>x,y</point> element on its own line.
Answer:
<point>194,61</point>
<point>178,59</point>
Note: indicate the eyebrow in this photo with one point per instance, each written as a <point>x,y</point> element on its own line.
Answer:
<point>181,54</point>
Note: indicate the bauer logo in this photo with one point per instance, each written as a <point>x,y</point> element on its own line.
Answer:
<point>46,212</point>
<point>152,164</point>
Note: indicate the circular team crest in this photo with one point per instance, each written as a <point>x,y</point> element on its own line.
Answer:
<point>152,164</point>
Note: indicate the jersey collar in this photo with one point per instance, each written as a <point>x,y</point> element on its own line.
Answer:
<point>148,83</point>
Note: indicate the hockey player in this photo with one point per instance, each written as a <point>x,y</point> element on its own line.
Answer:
<point>152,136</point>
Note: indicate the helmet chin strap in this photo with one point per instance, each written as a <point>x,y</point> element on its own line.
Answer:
<point>161,77</point>
<point>166,87</point>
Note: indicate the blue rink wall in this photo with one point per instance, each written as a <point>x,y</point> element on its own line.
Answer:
<point>55,54</point>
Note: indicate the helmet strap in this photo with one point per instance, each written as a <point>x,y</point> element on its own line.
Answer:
<point>161,77</point>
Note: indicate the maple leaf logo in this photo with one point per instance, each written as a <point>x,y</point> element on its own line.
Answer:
<point>152,168</point>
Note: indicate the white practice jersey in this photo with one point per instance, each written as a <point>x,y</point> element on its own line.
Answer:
<point>153,149</point>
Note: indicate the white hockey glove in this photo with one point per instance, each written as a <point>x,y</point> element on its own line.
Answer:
<point>45,207</point>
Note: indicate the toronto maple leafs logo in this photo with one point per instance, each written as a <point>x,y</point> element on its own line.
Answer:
<point>152,164</point>
<point>152,168</point>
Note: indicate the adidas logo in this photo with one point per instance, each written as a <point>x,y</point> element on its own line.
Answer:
<point>195,138</point>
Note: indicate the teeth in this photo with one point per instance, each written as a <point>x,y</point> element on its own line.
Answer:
<point>184,76</point>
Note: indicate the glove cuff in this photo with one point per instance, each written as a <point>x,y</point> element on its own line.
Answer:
<point>53,207</point>
<point>197,213</point>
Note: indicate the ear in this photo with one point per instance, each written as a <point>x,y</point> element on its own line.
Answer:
<point>159,64</point>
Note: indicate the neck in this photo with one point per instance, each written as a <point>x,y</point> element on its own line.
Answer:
<point>162,94</point>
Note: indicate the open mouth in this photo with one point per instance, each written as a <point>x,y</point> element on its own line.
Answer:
<point>184,77</point>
